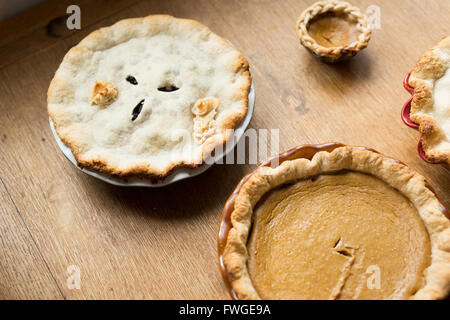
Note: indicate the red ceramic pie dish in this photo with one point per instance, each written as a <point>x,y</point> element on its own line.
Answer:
<point>407,120</point>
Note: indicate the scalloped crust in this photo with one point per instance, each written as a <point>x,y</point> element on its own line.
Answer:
<point>396,174</point>
<point>333,53</point>
<point>432,66</point>
<point>108,37</point>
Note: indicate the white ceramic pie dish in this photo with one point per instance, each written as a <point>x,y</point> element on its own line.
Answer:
<point>178,174</point>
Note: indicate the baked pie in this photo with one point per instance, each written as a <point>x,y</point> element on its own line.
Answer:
<point>333,30</point>
<point>430,106</point>
<point>342,223</point>
<point>147,95</point>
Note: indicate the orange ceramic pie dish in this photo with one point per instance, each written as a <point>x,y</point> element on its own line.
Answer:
<point>334,222</point>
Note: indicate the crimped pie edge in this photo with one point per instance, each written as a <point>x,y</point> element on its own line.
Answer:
<point>330,6</point>
<point>95,40</point>
<point>399,176</point>
<point>430,67</point>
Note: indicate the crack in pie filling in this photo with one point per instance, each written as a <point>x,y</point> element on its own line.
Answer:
<point>430,107</point>
<point>147,95</point>
<point>348,224</point>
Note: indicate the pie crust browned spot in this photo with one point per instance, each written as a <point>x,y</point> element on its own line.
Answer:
<point>103,93</point>
<point>430,106</point>
<point>347,224</point>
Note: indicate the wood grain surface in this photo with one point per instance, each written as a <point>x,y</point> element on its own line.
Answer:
<point>161,243</point>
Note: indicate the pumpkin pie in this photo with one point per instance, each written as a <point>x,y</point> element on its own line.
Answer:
<point>333,30</point>
<point>430,106</point>
<point>348,223</point>
<point>148,95</point>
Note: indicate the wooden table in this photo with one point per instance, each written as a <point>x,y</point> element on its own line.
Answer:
<point>161,243</point>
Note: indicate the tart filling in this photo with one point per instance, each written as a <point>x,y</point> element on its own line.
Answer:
<point>430,107</point>
<point>333,30</point>
<point>347,224</point>
<point>329,30</point>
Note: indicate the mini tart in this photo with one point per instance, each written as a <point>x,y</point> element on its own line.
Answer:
<point>147,95</point>
<point>347,224</point>
<point>430,106</point>
<point>333,30</point>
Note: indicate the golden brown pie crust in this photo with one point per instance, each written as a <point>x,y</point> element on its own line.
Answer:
<point>101,147</point>
<point>431,67</point>
<point>386,184</point>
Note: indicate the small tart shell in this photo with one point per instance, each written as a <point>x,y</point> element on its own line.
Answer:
<point>118,161</point>
<point>338,53</point>
<point>433,64</point>
<point>394,173</point>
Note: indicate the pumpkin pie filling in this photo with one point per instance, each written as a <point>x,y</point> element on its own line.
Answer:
<point>329,30</point>
<point>333,30</point>
<point>337,236</point>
